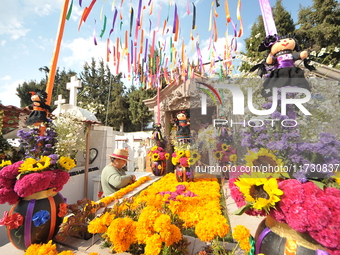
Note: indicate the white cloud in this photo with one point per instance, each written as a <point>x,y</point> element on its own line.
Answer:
<point>13,21</point>
<point>3,42</point>
<point>6,78</point>
<point>8,93</point>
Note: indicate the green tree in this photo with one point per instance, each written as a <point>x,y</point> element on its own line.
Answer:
<point>105,90</point>
<point>139,113</point>
<point>284,25</point>
<point>59,87</point>
<point>319,30</point>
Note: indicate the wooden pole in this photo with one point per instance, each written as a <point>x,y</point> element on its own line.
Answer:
<point>87,159</point>
<point>51,75</point>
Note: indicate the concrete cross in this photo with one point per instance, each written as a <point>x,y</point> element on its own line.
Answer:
<point>72,87</point>
<point>59,102</point>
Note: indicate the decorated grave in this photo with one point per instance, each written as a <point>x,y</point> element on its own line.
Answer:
<point>282,165</point>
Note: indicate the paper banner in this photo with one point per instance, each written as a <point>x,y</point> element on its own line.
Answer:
<point>267,15</point>
<point>69,11</point>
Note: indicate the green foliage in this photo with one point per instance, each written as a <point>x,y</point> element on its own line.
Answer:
<point>139,113</point>
<point>319,31</point>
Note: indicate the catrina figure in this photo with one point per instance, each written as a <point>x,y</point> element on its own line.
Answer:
<point>183,125</point>
<point>157,135</point>
<point>282,52</point>
<point>40,110</point>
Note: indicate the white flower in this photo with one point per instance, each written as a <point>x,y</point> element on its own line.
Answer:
<point>336,49</point>
<point>313,53</point>
<point>258,35</point>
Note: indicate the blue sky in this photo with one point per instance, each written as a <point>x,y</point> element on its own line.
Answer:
<point>28,30</point>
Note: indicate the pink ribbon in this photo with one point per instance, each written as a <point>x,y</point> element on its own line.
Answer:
<point>267,16</point>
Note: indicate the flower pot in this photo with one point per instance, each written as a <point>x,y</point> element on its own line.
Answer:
<point>184,174</point>
<point>158,167</point>
<point>276,238</point>
<point>41,221</point>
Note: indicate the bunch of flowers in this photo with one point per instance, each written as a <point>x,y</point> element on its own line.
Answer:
<point>185,157</point>
<point>24,178</point>
<point>158,153</point>
<point>225,153</point>
<point>42,169</point>
<point>305,207</point>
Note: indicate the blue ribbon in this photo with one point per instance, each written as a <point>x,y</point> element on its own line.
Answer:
<point>40,218</point>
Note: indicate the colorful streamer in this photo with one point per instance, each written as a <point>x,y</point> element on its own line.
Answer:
<point>104,28</point>
<point>193,27</point>
<point>69,11</point>
<point>267,15</point>
<point>131,21</point>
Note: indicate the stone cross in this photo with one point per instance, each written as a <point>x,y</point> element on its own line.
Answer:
<point>72,87</point>
<point>59,102</point>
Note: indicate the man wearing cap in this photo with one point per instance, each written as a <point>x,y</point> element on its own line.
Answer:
<point>113,177</point>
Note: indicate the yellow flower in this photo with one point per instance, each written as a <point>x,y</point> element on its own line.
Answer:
<point>262,158</point>
<point>187,153</point>
<point>224,147</point>
<point>241,234</point>
<point>233,157</point>
<point>262,193</point>
<point>218,155</point>
<point>96,226</point>
<point>122,233</point>
<point>153,245</point>
<point>155,157</point>
<point>167,155</point>
<point>42,249</point>
<point>32,165</point>
<point>180,153</point>
<point>67,163</point>
<point>68,253</point>
<point>195,155</point>
<point>5,163</point>
<point>154,148</point>
<point>174,161</point>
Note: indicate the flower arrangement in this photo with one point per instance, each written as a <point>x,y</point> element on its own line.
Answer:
<point>225,153</point>
<point>155,220</point>
<point>291,180</point>
<point>184,158</point>
<point>158,153</point>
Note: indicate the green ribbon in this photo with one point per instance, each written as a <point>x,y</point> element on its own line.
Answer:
<point>252,246</point>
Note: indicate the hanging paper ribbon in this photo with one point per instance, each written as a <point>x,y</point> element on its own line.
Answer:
<point>139,13</point>
<point>267,15</point>
<point>151,8</point>
<point>104,28</point>
<point>194,17</point>
<point>108,50</point>
<point>227,12</point>
<point>240,33</point>
<point>94,33</point>
<point>188,7</point>
<point>217,3</point>
<point>80,1</point>
<point>69,11</point>
<point>210,19</point>
<point>131,21</point>
<point>114,21</point>
<point>175,23</point>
